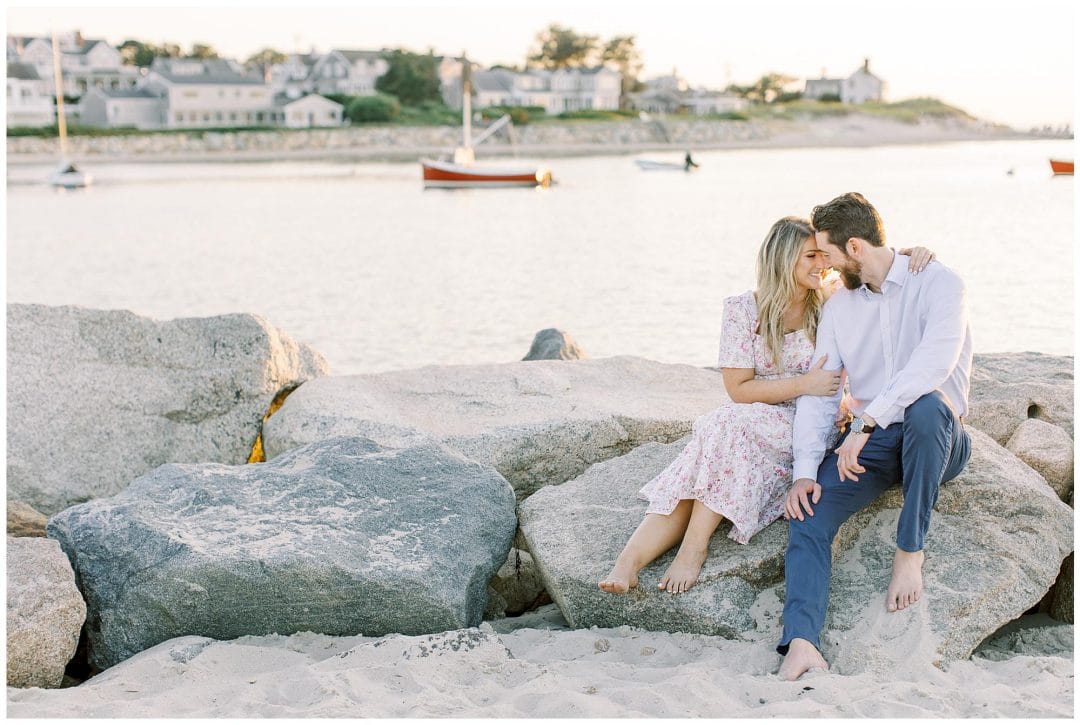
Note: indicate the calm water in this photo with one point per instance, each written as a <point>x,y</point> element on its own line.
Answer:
<point>377,274</point>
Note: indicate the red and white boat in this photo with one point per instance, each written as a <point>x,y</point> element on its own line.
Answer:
<point>462,171</point>
<point>1062,168</point>
<point>447,174</point>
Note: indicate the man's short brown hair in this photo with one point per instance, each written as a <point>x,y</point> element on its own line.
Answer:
<point>849,215</point>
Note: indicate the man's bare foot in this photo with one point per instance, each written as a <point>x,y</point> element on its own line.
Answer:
<point>623,578</point>
<point>801,657</point>
<point>906,585</point>
<point>683,571</point>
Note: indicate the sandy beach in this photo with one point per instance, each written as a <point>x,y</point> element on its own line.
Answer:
<point>533,666</point>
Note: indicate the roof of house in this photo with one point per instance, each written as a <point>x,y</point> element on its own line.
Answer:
<point>354,55</point>
<point>126,93</point>
<point>282,100</point>
<point>86,47</point>
<point>215,71</point>
<point>23,72</point>
<point>492,81</point>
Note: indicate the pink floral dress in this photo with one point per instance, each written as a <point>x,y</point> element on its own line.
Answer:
<point>739,460</point>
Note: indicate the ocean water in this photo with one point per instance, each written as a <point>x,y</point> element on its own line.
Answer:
<point>378,274</point>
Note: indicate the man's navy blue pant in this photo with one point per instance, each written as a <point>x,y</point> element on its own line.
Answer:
<point>929,447</point>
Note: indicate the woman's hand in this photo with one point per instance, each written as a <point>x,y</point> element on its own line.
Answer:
<point>819,381</point>
<point>920,257</point>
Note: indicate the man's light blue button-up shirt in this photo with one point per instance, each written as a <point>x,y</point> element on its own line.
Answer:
<point>910,339</point>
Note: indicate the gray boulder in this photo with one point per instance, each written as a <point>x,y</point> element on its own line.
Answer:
<point>995,547</point>
<point>1008,388</point>
<point>45,612</point>
<point>340,537</point>
<point>24,520</point>
<point>97,398</point>
<point>538,423</point>
<point>552,344</point>
<point>1048,449</point>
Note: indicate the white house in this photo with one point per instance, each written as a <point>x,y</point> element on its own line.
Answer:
<point>860,87</point>
<point>210,93</point>
<point>128,108</point>
<point>29,97</point>
<point>571,89</point>
<point>85,63</point>
<point>351,72</point>
<point>292,76</point>
<point>703,103</point>
<point>311,111</point>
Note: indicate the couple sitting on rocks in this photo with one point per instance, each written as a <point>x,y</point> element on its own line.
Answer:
<point>787,446</point>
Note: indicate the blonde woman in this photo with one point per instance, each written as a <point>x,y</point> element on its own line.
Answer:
<point>738,464</point>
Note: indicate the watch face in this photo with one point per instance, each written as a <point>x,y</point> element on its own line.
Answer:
<point>857,425</point>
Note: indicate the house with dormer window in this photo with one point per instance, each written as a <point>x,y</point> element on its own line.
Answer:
<point>211,93</point>
<point>349,72</point>
<point>29,97</point>
<point>85,63</point>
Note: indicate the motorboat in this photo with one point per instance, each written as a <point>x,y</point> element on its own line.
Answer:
<point>688,164</point>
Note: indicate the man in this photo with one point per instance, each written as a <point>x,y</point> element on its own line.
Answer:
<point>904,341</point>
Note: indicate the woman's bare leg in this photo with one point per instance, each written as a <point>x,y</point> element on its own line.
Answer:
<point>654,535</point>
<point>684,570</point>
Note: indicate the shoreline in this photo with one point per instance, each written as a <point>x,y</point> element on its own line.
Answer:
<point>409,144</point>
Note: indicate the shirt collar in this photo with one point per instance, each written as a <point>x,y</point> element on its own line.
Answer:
<point>898,274</point>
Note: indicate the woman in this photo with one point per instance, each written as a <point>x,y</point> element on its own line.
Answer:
<point>738,464</point>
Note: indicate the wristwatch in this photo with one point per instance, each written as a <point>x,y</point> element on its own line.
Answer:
<point>861,426</point>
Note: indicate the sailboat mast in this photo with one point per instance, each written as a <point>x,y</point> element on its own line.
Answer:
<point>61,121</point>
<point>466,97</point>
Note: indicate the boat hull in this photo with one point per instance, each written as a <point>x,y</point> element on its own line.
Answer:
<point>449,175</point>
<point>647,165</point>
<point>1061,167</point>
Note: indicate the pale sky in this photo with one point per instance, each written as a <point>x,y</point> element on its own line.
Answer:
<point>1007,62</point>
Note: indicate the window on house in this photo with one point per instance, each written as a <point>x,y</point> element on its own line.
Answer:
<point>259,116</point>
<point>219,116</point>
<point>232,116</point>
<point>179,118</point>
<point>206,117</point>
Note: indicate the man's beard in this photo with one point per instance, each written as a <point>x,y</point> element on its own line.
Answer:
<point>851,273</point>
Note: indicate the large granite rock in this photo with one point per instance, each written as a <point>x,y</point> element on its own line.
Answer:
<point>45,612</point>
<point>538,423</point>
<point>995,547</point>
<point>24,520</point>
<point>1048,449</point>
<point>339,537</point>
<point>97,398</point>
<point>1008,388</point>
<point>552,344</point>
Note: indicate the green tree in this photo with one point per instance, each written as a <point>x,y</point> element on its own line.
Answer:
<point>371,109</point>
<point>559,47</point>
<point>621,52</point>
<point>202,52</point>
<point>266,56</point>
<point>765,89</point>
<point>413,78</point>
<point>138,53</point>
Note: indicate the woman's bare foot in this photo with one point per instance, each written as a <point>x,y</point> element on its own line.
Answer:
<point>683,571</point>
<point>623,578</point>
<point>906,585</point>
<point>801,657</point>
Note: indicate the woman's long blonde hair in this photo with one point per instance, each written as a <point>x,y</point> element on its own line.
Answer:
<point>776,286</point>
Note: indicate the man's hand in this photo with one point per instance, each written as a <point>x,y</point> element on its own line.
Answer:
<point>798,496</point>
<point>847,461</point>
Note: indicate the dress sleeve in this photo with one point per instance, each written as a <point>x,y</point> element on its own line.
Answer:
<point>737,335</point>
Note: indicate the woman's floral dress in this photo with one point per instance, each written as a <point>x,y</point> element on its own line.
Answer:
<point>739,460</point>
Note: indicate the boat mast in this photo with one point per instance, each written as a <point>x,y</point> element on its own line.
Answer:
<point>463,154</point>
<point>466,97</point>
<point>61,122</point>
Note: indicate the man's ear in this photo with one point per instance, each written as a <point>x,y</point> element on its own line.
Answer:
<point>854,246</point>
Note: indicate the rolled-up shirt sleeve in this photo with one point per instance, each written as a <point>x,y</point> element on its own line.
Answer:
<point>936,355</point>
<point>815,415</point>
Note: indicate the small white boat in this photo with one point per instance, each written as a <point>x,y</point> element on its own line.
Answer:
<point>66,175</point>
<point>688,164</point>
<point>69,177</point>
